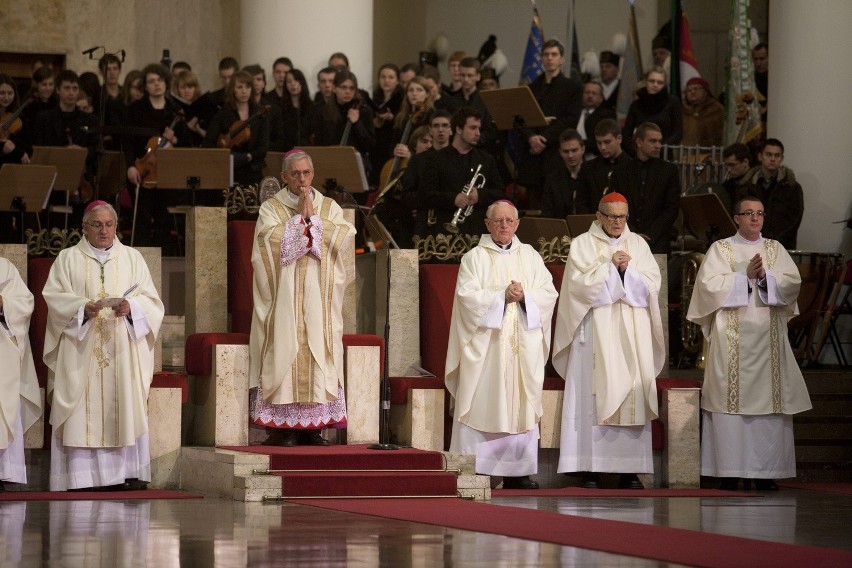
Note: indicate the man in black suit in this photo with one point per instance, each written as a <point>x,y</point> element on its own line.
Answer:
<point>65,125</point>
<point>593,113</point>
<point>609,78</point>
<point>652,188</point>
<point>561,100</point>
<point>448,171</point>
<point>560,187</point>
<point>595,175</point>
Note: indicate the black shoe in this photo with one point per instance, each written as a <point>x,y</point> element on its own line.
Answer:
<point>765,485</point>
<point>281,437</point>
<point>135,484</point>
<point>746,484</point>
<point>629,481</point>
<point>591,481</point>
<point>312,438</point>
<point>729,483</point>
<point>523,482</point>
<point>2,487</point>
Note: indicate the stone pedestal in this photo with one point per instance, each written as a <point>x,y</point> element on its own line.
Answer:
<point>404,341</point>
<point>206,270</point>
<point>220,401</point>
<point>164,422</point>
<point>363,374</point>
<point>420,423</point>
<point>681,459</point>
<point>550,427</point>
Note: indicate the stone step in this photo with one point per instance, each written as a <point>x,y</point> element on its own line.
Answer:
<point>839,451</point>
<point>836,406</point>
<point>824,471</point>
<point>822,427</point>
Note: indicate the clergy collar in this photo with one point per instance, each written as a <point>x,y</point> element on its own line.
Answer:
<point>487,241</point>
<point>503,247</point>
<point>741,240</point>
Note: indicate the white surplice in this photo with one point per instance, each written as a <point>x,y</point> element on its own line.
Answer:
<point>496,356</point>
<point>752,382</point>
<point>99,369</point>
<point>20,399</point>
<point>609,348</point>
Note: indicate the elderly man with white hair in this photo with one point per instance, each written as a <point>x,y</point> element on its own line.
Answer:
<point>498,346</point>
<point>103,318</point>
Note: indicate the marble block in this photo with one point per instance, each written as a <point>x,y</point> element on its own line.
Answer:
<point>465,463</point>
<point>17,255</point>
<point>550,427</point>
<point>154,259</point>
<point>34,436</point>
<point>206,270</point>
<point>363,375</point>
<point>420,423</point>
<point>221,401</point>
<point>217,472</point>
<point>404,340</point>
<point>681,459</point>
<point>164,412</point>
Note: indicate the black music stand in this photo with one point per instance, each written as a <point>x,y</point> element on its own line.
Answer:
<point>705,215</point>
<point>23,186</point>
<point>341,163</point>
<point>513,107</point>
<point>531,229</point>
<point>190,169</point>
<point>579,224</point>
<point>70,164</point>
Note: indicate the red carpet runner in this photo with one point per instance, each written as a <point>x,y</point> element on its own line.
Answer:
<point>620,493</point>
<point>665,544</point>
<point>95,495</point>
<point>406,475</point>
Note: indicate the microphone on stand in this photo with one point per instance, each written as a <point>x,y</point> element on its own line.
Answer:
<point>92,50</point>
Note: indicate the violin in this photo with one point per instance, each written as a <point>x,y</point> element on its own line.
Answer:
<point>11,123</point>
<point>147,164</point>
<point>240,131</point>
<point>347,130</point>
<point>395,166</point>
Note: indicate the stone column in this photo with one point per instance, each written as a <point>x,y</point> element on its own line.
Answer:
<point>308,32</point>
<point>404,341</point>
<point>808,108</point>
<point>206,270</point>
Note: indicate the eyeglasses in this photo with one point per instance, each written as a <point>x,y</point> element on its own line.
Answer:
<point>614,218</point>
<point>99,225</point>
<point>502,220</point>
<point>299,173</point>
<point>751,214</point>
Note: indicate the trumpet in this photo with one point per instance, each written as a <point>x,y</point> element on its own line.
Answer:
<point>462,213</point>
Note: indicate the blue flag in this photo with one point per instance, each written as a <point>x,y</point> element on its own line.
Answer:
<point>532,56</point>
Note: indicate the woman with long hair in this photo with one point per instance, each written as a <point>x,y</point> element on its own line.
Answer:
<point>417,108</point>
<point>345,107</point>
<point>297,108</point>
<point>387,99</point>
<point>13,148</point>
<point>188,91</point>
<point>241,112</point>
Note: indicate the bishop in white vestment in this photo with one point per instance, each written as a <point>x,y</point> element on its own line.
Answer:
<point>20,399</point>
<point>744,294</point>
<point>104,314</point>
<point>296,343</point>
<point>498,347</point>
<point>609,348</point>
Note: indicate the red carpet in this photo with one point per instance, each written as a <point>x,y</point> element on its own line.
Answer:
<point>581,492</point>
<point>839,488</point>
<point>665,544</point>
<point>407,475</point>
<point>95,495</point>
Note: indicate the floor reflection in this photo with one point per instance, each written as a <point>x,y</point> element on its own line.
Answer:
<point>216,532</point>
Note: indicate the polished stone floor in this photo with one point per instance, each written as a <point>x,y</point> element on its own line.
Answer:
<point>216,532</point>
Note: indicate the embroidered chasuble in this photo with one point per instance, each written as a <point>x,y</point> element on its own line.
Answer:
<point>100,370</point>
<point>497,351</point>
<point>296,344</point>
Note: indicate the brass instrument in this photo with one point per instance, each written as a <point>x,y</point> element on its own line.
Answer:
<point>462,213</point>
<point>690,333</point>
<point>608,183</point>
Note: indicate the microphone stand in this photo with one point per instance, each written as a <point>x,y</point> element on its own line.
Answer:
<point>330,184</point>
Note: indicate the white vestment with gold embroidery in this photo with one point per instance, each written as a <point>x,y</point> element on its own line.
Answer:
<point>100,369</point>
<point>752,382</point>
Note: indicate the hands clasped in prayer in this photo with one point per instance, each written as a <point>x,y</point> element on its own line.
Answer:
<point>514,292</point>
<point>620,260</point>
<point>306,203</point>
<point>755,268</point>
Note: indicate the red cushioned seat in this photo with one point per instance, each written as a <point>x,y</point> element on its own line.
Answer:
<point>37,272</point>
<point>169,380</point>
<point>198,352</point>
